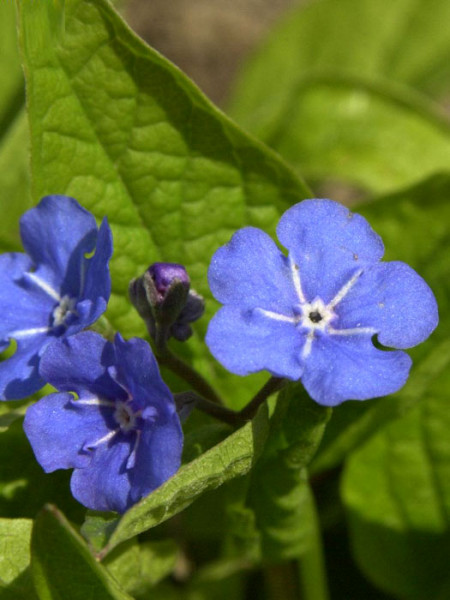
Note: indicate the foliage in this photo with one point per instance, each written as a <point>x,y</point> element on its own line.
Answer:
<point>349,95</point>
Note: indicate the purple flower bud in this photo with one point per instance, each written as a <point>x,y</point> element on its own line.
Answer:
<point>163,298</point>
<point>165,274</point>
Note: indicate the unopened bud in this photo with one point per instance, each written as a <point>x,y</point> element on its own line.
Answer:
<point>163,299</point>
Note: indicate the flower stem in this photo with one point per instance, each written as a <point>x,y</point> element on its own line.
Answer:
<point>189,374</point>
<point>227,415</point>
<point>217,411</point>
<point>271,386</point>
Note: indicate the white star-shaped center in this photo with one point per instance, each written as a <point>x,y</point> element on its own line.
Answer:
<point>316,316</point>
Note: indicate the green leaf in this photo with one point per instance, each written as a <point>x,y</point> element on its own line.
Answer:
<point>396,482</point>
<point>24,487</point>
<point>15,535</point>
<point>15,177</point>
<point>339,106</point>
<point>139,567</point>
<point>126,133</point>
<point>231,458</point>
<point>415,227</point>
<point>282,503</point>
<point>14,167</point>
<point>10,412</point>
<point>353,423</point>
<point>201,432</point>
<point>279,495</point>
<point>62,566</point>
<point>396,489</point>
<point>97,528</point>
<point>12,97</point>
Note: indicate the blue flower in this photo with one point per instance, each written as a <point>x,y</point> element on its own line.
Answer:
<point>313,315</point>
<point>121,434</point>
<point>52,291</point>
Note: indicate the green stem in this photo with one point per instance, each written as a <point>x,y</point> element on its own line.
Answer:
<point>211,408</point>
<point>227,415</point>
<point>311,565</point>
<point>270,387</point>
<point>189,374</point>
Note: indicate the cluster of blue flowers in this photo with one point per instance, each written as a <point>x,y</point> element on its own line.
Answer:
<point>113,420</point>
<point>313,315</point>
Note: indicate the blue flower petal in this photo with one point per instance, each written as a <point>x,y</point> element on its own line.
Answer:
<point>105,484</point>
<point>250,271</point>
<point>57,234</point>
<point>137,371</point>
<point>60,431</point>
<point>247,341</point>
<point>351,368</point>
<point>82,316</point>
<point>23,304</point>
<point>80,364</point>
<point>97,281</point>
<point>26,311</point>
<point>395,300</point>
<point>329,244</point>
<point>19,374</point>
<point>158,457</point>
<point>98,433</point>
<point>40,294</point>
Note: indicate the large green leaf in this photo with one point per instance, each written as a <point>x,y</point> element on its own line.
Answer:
<point>279,504</point>
<point>354,423</point>
<point>62,566</point>
<point>15,535</point>
<point>271,516</point>
<point>229,459</point>
<point>415,227</point>
<point>12,96</point>
<point>329,90</point>
<point>14,167</point>
<point>398,453</point>
<point>24,487</point>
<point>15,178</point>
<point>126,133</point>
<point>396,490</point>
<point>139,567</point>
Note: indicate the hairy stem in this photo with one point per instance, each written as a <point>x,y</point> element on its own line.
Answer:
<point>271,386</point>
<point>227,415</point>
<point>189,374</point>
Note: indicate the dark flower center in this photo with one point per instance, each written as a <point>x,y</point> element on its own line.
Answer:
<point>315,316</point>
<point>124,416</point>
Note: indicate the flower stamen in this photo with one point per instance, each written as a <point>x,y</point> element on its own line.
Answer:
<point>125,416</point>
<point>63,310</point>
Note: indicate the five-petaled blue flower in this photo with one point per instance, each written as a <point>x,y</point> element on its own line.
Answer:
<point>54,290</point>
<point>122,434</point>
<point>313,315</point>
